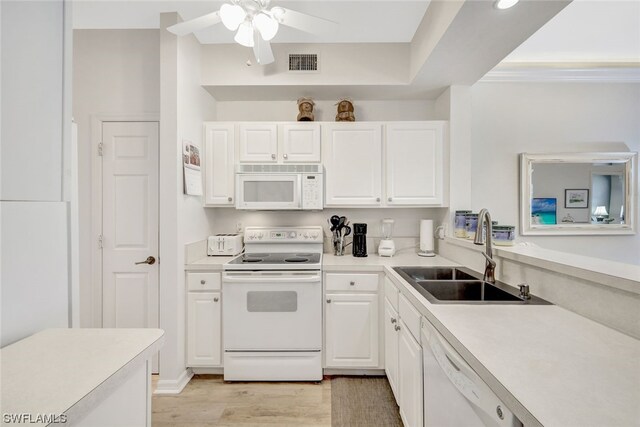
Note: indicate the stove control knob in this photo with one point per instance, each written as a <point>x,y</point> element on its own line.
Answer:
<point>292,235</point>
<point>314,235</point>
<point>306,235</point>
<point>260,236</point>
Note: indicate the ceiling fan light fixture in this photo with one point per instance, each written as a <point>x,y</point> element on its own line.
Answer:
<point>267,26</point>
<point>244,36</point>
<point>232,15</point>
<point>505,4</point>
<point>277,13</point>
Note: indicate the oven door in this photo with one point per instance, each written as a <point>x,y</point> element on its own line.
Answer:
<point>268,191</point>
<point>272,311</point>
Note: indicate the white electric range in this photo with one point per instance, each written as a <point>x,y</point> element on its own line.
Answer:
<point>272,306</point>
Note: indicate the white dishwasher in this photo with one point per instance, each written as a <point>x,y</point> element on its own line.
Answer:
<point>454,395</point>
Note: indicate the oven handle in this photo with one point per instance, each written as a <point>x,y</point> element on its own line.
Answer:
<point>271,279</point>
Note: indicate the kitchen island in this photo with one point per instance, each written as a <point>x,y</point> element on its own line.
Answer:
<point>86,377</point>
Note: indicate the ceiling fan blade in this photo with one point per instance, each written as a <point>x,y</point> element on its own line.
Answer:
<point>196,24</point>
<point>302,21</point>
<point>262,50</point>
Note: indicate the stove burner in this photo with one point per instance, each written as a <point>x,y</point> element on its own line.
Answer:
<point>296,260</point>
<point>252,259</point>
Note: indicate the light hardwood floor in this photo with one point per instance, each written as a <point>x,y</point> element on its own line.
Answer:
<point>208,401</point>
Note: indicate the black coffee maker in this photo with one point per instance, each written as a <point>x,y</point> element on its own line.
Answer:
<point>359,240</point>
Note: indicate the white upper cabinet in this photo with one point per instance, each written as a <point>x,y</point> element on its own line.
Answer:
<point>352,157</point>
<point>414,163</point>
<point>219,164</point>
<point>258,143</point>
<point>301,143</point>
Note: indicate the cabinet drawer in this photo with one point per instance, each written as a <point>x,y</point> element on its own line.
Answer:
<point>203,281</point>
<point>410,316</point>
<point>351,282</point>
<point>391,293</point>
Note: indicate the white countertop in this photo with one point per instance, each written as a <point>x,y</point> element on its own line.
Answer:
<point>550,366</point>
<point>563,368</point>
<point>52,371</point>
<point>211,263</point>
<point>375,262</point>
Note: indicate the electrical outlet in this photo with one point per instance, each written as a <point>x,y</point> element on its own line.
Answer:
<point>239,227</point>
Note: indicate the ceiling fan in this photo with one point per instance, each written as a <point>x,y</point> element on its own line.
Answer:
<point>255,24</point>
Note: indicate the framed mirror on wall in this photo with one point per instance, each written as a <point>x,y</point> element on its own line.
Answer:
<point>578,193</point>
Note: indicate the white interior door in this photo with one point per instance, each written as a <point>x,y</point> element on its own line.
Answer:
<point>130,225</point>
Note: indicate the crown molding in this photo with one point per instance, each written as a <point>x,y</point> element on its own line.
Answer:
<point>600,72</point>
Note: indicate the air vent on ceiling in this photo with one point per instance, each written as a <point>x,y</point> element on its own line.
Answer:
<point>303,62</point>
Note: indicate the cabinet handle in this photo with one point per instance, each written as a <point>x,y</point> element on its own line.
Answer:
<point>202,282</point>
<point>329,301</point>
<point>352,283</point>
<point>230,199</point>
<point>216,299</point>
<point>393,320</point>
<point>397,328</point>
<point>377,199</point>
<point>273,156</point>
<point>389,199</point>
<point>285,156</point>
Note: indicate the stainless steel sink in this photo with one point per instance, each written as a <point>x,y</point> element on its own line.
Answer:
<point>461,286</point>
<point>465,290</point>
<point>436,273</point>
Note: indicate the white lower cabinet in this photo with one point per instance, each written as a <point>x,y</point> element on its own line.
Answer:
<point>410,377</point>
<point>204,331</point>
<point>351,333</point>
<point>391,336</point>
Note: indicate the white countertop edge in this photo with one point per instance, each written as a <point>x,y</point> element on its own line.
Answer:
<point>613,274</point>
<point>500,390</point>
<point>81,408</point>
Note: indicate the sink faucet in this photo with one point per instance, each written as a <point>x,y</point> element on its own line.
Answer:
<point>490,267</point>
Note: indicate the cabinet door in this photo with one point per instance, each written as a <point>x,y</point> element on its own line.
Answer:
<point>391,346</point>
<point>410,378</point>
<point>351,330</point>
<point>219,155</point>
<point>204,329</point>
<point>352,156</point>
<point>414,163</point>
<point>258,143</point>
<point>301,143</point>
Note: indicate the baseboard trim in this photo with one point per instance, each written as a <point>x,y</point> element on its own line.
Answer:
<point>174,386</point>
<point>358,372</point>
<point>208,371</point>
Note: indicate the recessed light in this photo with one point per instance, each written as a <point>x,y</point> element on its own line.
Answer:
<point>505,4</point>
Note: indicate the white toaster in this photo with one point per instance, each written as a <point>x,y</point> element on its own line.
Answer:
<point>224,244</point>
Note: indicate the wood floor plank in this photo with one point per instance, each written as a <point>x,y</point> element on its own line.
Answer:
<point>208,401</point>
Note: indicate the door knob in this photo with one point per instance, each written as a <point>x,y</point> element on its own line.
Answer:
<point>285,156</point>
<point>150,260</point>
<point>328,301</point>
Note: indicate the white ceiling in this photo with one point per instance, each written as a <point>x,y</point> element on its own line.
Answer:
<point>586,31</point>
<point>360,21</point>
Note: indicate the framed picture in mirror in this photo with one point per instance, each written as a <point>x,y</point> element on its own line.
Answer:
<point>576,198</point>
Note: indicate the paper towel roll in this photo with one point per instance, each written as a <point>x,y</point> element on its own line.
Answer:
<point>426,237</point>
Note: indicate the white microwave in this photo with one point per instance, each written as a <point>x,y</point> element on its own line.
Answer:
<point>279,187</point>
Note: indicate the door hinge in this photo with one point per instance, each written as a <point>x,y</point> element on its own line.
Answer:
<point>100,241</point>
<point>100,146</point>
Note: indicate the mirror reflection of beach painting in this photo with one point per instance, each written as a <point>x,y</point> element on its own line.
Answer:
<point>543,210</point>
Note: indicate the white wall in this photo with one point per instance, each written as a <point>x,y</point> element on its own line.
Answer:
<point>34,228</point>
<point>324,110</point>
<point>511,118</point>
<point>340,64</point>
<point>185,105</point>
<point>115,72</point>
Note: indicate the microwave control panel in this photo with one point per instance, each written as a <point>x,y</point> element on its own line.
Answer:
<point>312,191</point>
